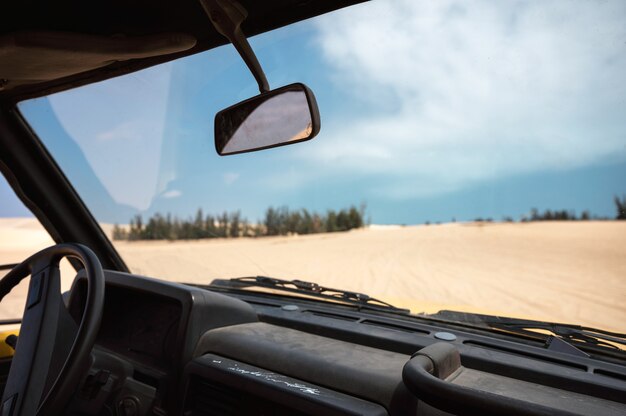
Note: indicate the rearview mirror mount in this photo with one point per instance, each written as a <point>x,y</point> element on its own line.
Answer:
<point>274,118</point>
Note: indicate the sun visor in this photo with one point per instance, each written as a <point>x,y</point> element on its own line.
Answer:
<point>33,57</point>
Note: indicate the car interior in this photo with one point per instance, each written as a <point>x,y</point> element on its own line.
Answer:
<point>118,343</point>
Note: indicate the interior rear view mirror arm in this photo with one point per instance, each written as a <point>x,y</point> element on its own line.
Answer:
<point>275,118</point>
<point>227,16</point>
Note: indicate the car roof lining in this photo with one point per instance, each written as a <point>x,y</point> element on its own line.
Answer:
<point>35,57</point>
<point>118,37</point>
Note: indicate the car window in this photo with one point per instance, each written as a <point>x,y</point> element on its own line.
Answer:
<point>470,158</point>
<point>21,235</point>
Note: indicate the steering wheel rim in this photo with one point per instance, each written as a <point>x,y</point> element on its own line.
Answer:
<point>24,391</point>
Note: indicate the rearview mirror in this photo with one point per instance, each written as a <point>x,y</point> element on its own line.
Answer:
<point>280,117</point>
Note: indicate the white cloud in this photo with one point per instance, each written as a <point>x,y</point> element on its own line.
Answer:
<point>174,193</point>
<point>230,177</point>
<point>459,92</point>
<point>124,131</point>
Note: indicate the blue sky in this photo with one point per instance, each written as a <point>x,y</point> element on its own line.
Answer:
<point>430,111</point>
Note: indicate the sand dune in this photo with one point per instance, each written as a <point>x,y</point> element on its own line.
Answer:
<point>19,238</point>
<point>563,271</point>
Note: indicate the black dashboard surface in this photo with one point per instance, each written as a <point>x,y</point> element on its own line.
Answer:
<point>138,325</point>
<point>150,324</point>
<point>148,333</point>
<point>363,354</point>
<point>141,326</point>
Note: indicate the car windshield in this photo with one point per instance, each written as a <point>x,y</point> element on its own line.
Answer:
<point>471,157</point>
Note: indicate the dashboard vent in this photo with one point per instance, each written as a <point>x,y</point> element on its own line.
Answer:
<point>334,316</point>
<point>395,327</point>
<point>371,322</point>
<point>207,398</point>
<point>261,303</point>
<point>534,356</point>
<point>611,374</point>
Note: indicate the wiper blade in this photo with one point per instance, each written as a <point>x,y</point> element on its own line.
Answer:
<point>575,334</point>
<point>360,300</point>
<point>566,331</point>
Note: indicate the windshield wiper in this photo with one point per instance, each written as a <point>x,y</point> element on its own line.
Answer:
<point>361,300</point>
<point>576,335</point>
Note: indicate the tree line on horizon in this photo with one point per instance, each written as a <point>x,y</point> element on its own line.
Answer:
<point>565,215</point>
<point>277,221</point>
<point>620,206</point>
<point>568,215</point>
<point>283,221</point>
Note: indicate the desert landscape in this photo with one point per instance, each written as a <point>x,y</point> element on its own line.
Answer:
<point>565,271</point>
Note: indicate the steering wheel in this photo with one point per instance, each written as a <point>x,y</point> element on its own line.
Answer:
<point>52,353</point>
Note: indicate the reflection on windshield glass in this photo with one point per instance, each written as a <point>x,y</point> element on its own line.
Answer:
<point>471,158</point>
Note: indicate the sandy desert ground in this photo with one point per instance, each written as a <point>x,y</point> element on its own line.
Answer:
<point>571,272</point>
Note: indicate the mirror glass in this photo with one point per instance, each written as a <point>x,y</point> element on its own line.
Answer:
<point>283,116</point>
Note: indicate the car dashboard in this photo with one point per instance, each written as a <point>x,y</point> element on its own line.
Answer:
<point>172,349</point>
